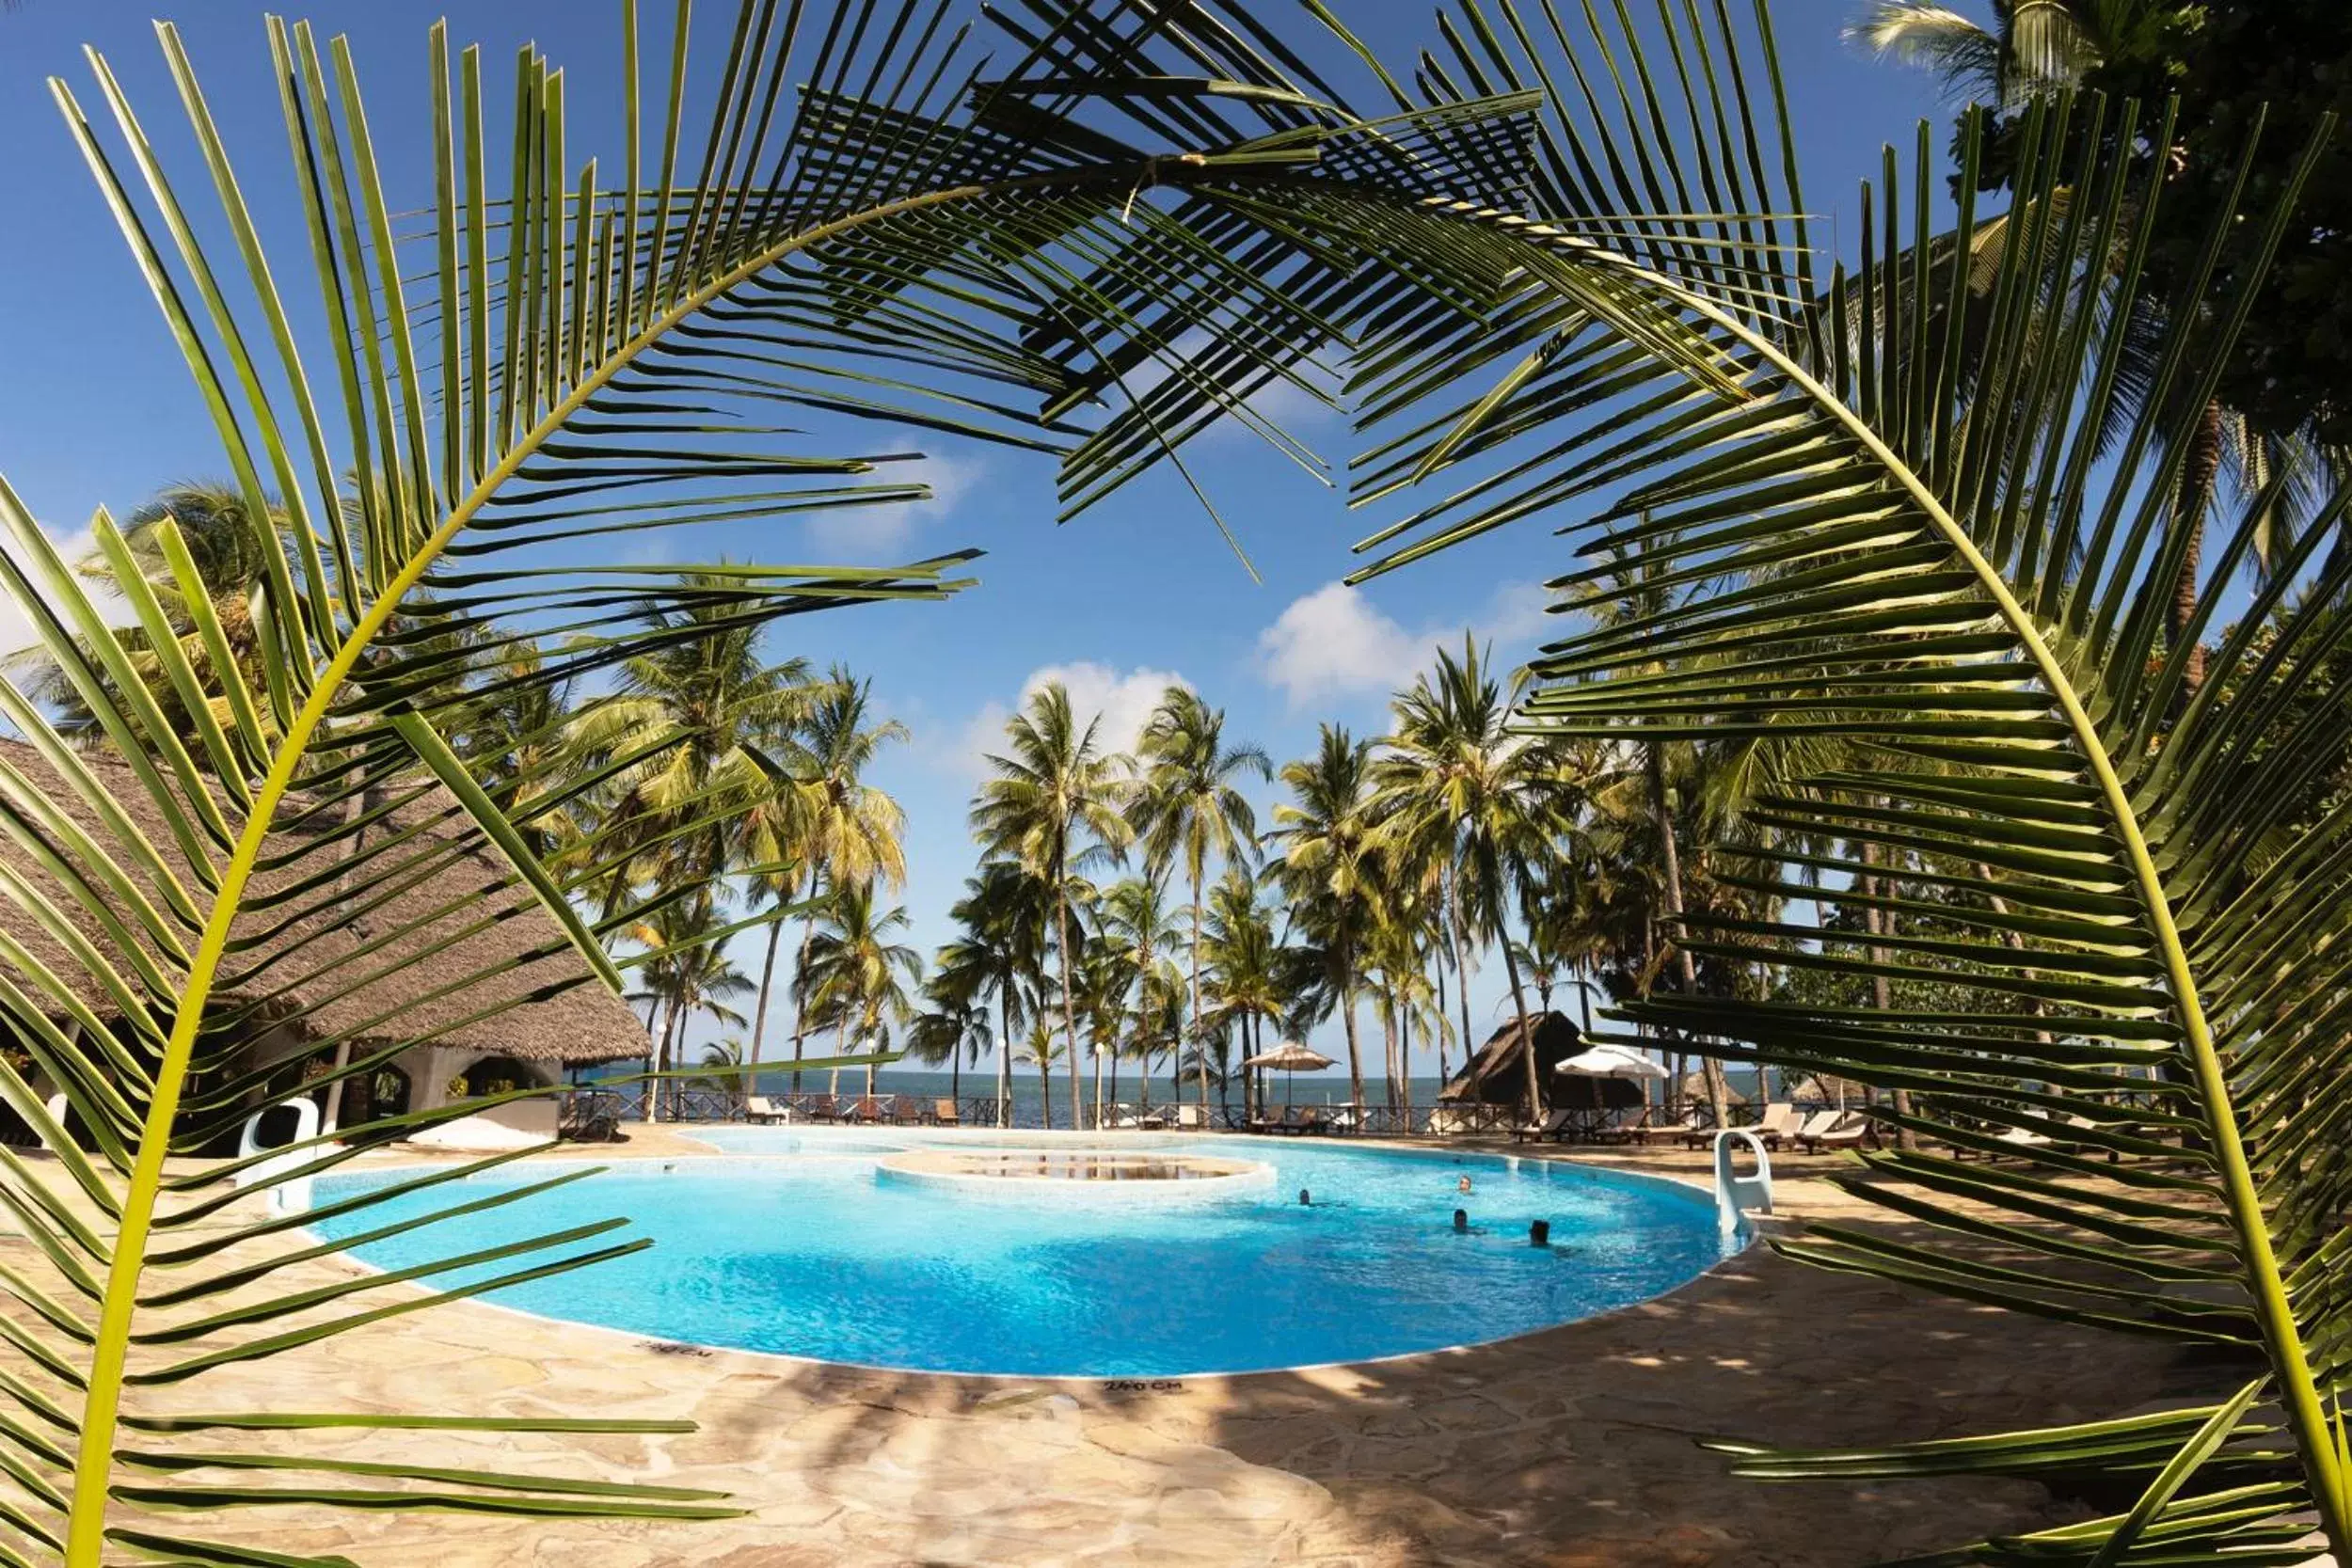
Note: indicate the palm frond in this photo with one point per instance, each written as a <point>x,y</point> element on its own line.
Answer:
<point>2130,878</point>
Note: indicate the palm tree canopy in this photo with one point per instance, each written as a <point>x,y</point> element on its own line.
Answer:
<point>1326,829</point>
<point>1053,800</point>
<point>858,976</point>
<point>1187,806</point>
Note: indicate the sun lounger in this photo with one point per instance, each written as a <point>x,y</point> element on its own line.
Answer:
<point>1554,1126</point>
<point>759,1108</point>
<point>1779,1121</point>
<point>1299,1121</point>
<point>905,1111</point>
<point>943,1114</point>
<point>1841,1129</point>
<point>1660,1126</point>
<point>820,1107</point>
<point>1191,1118</point>
<point>867,1108</point>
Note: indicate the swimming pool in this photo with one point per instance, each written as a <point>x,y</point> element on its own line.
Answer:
<point>801,1243</point>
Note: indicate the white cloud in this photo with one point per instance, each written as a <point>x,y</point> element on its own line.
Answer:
<point>17,633</point>
<point>876,533</point>
<point>1334,643</point>
<point>1122,701</point>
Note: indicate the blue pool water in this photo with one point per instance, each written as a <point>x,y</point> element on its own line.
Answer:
<point>805,1248</point>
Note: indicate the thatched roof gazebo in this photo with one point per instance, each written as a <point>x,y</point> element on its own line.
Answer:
<point>471,968</point>
<point>1496,1074</point>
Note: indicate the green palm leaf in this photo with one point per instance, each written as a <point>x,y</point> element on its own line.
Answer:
<point>2134,875</point>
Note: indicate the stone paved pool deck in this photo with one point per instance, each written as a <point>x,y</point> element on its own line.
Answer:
<point>1571,1448</point>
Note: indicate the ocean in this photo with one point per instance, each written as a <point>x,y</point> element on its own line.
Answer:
<point>1028,1100</point>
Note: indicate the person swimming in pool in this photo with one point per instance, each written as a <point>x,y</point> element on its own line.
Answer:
<point>1463,1186</point>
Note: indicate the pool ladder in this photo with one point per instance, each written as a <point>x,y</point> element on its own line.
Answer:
<point>1734,1193</point>
<point>285,1198</point>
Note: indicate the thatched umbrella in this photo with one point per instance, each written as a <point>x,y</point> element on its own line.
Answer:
<point>1290,1056</point>
<point>1829,1089</point>
<point>1693,1087</point>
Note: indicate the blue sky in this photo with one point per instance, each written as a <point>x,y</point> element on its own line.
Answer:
<point>96,409</point>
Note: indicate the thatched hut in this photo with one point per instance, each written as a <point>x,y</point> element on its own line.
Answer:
<point>418,939</point>
<point>1496,1074</point>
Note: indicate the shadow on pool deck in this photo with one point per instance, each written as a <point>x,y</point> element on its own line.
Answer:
<point>1572,1446</point>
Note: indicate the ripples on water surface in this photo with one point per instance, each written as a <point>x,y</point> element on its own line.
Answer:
<point>809,1252</point>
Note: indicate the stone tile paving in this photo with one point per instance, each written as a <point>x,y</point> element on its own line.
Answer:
<point>1573,1448</point>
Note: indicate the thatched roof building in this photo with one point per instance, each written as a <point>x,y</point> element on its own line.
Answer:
<point>470,967</point>
<point>1496,1074</point>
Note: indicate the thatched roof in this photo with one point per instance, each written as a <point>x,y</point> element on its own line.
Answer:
<point>421,879</point>
<point>1496,1074</point>
<point>1828,1089</point>
<point>1694,1087</point>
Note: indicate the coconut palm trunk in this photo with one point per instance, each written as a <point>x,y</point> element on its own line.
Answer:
<point>1004,1057</point>
<point>1461,970</point>
<point>1877,923</point>
<point>1068,1006</point>
<point>1388,1043</point>
<point>1200,1040</point>
<point>800,986</point>
<point>2200,468</point>
<point>1347,1015</point>
<point>1527,1033</point>
<point>767,983</point>
<point>664,1097</point>
<point>1405,1054</point>
<point>1718,1103</point>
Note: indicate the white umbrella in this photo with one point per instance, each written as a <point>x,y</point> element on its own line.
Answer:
<point>1290,1056</point>
<point>1610,1061</point>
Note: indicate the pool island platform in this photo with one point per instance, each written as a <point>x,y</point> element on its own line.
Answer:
<point>1573,1447</point>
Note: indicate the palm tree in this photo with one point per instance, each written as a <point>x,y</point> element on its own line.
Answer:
<point>2037,49</point>
<point>838,829</point>
<point>228,552</point>
<point>859,979</point>
<point>1187,808</point>
<point>1327,836</point>
<point>723,1058</point>
<point>1000,923</point>
<point>687,974</point>
<point>1052,806</point>
<point>1243,988</point>
<point>1106,975</point>
<point>1454,780</point>
<point>2034,48</point>
<point>1040,1050</point>
<point>1136,920</point>
<point>681,736</point>
<point>953,1028</point>
<point>1959,569</point>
